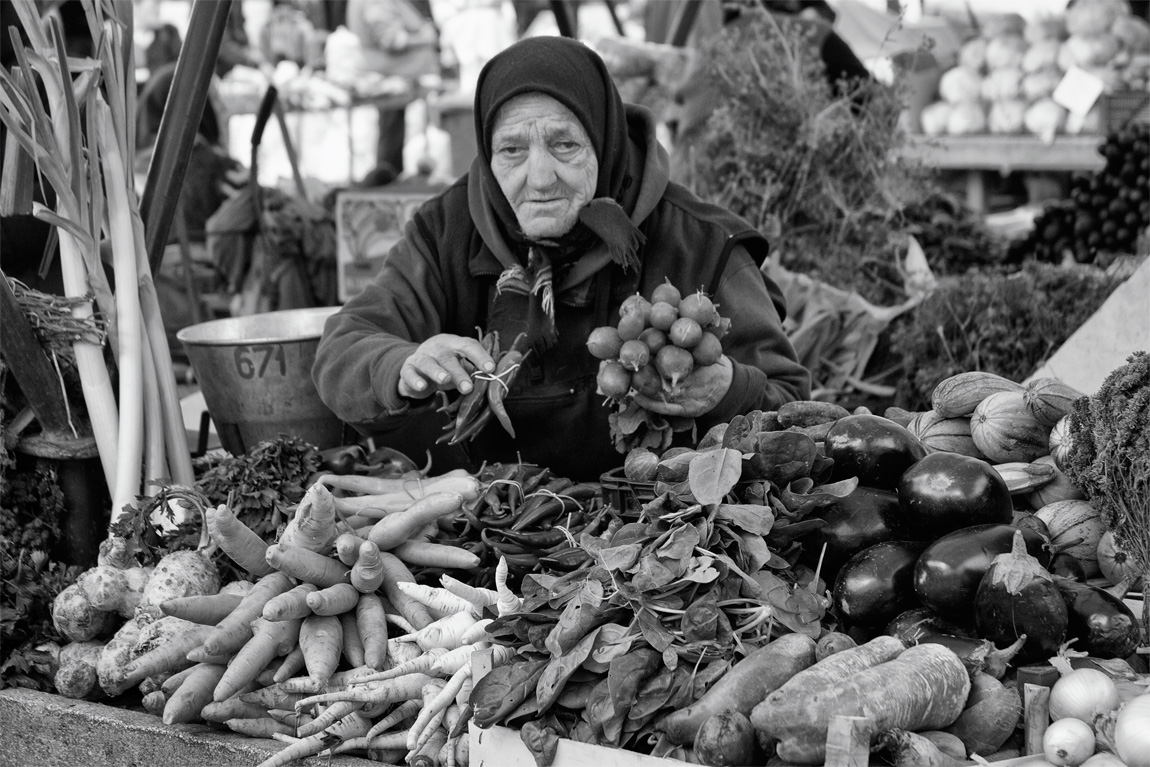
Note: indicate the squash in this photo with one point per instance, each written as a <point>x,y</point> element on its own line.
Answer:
<point>1060,488</point>
<point>951,435</point>
<point>1115,564</point>
<point>960,393</point>
<point>1049,399</point>
<point>1070,521</point>
<point>1006,116</point>
<point>1059,442</point>
<point>1004,430</point>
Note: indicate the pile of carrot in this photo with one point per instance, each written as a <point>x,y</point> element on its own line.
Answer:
<point>335,647</point>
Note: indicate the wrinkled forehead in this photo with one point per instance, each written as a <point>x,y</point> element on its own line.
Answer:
<point>518,112</point>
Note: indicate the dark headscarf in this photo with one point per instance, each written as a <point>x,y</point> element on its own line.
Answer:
<point>575,76</point>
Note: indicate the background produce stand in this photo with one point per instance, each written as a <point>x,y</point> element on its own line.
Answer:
<point>977,155</point>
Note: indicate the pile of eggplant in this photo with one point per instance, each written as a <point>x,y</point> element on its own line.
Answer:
<point>929,547</point>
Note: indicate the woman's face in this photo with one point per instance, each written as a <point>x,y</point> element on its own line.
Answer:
<point>544,163</point>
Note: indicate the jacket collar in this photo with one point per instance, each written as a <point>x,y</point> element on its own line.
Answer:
<point>650,167</point>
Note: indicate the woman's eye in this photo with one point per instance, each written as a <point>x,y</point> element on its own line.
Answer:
<point>509,151</point>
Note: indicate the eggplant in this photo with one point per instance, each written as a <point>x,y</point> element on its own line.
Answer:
<point>877,584</point>
<point>980,656</point>
<point>911,626</point>
<point>1017,599</point>
<point>875,449</point>
<point>947,574</point>
<point>945,492</point>
<point>1067,566</point>
<point>1100,623</point>
<point>865,517</point>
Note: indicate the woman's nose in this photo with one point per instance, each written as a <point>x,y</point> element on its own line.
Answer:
<point>540,168</point>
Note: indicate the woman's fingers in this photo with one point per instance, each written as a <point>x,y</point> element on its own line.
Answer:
<point>442,362</point>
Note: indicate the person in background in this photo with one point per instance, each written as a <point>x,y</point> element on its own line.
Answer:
<point>566,211</point>
<point>397,39</point>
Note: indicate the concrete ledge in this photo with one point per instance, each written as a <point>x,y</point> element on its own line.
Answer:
<point>42,730</point>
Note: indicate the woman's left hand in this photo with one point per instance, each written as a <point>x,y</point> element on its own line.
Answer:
<point>696,395</point>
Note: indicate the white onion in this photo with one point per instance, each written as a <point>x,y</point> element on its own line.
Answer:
<point>1132,732</point>
<point>1081,694</point>
<point>1068,743</point>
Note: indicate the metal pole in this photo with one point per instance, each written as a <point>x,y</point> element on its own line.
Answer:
<point>180,122</point>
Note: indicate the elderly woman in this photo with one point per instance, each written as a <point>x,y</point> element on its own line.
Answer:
<point>566,211</point>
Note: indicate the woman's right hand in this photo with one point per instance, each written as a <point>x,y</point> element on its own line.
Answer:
<point>441,363</point>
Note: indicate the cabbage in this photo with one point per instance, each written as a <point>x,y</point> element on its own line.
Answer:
<point>1002,85</point>
<point>1006,116</point>
<point>1093,51</point>
<point>934,117</point>
<point>972,54</point>
<point>1045,118</point>
<point>1045,28</point>
<point>1041,55</point>
<point>1039,85</point>
<point>1093,17</point>
<point>959,84</point>
<point>1005,52</point>
<point>1003,24</point>
<point>966,118</point>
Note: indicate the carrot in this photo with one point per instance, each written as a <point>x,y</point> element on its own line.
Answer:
<point>292,663</point>
<point>289,717</point>
<point>371,623</point>
<point>408,709</point>
<point>233,631</point>
<point>268,674</point>
<point>333,600</point>
<point>200,655</point>
<point>303,685</point>
<point>427,755</point>
<point>354,725</point>
<point>445,632</point>
<point>401,688</point>
<point>394,529</point>
<point>388,742</point>
<point>307,565</point>
<point>476,633</point>
<point>367,572</point>
<point>347,548</point>
<point>382,505</point>
<point>169,685</point>
<point>321,641</point>
<point>154,702</point>
<point>195,692</point>
<point>453,660</point>
<point>207,610</point>
<point>422,663</point>
<point>237,540</point>
<point>270,640</point>
<point>263,727</point>
<point>479,597</point>
<point>508,603</point>
<point>274,696</point>
<point>328,717</point>
<point>463,697</point>
<point>400,622</point>
<point>352,642</point>
<point>232,708</point>
<point>394,573</point>
<point>313,526</point>
<point>169,656</point>
<point>439,601</point>
<point>365,485</point>
<point>290,604</point>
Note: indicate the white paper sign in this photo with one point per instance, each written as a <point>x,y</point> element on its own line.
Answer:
<point>1078,90</point>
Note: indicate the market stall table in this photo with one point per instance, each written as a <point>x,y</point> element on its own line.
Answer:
<point>978,154</point>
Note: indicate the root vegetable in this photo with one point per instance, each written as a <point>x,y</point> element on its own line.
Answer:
<point>831,643</point>
<point>394,573</point>
<point>425,554</point>
<point>352,642</point>
<point>194,692</point>
<point>243,546</point>
<point>265,727</point>
<point>371,622</point>
<point>270,639</point>
<point>445,632</point>
<point>313,525</point>
<point>114,589</point>
<point>162,647</point>
<point>438,600</point>
<point>179,574</point>
<point>479,597</point>
<point>909,749</point>
<point>77,619</point>
<point>990,717</point>
<point>290,604</point>
<point>76,677</point>
<point>207,610</point>
<point>725,739</point>
<point>333,600</point>
<point>232,632</point>
<point>744,686</point>
<point>307,565</point>
<point>347,548</point>
<point>293,662</point>
<point>402,688</point>
<point>114,657</point>
<point>396,528</point>
<point>321,641</point>
<point>232,708</point>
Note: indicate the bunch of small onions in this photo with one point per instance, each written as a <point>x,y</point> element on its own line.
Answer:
<point>1081,694</point>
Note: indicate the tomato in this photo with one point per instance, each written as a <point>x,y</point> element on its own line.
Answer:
<point>945,492</point>
<point>875,449</point>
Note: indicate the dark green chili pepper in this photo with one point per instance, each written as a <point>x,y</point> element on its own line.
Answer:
<point>505,374</point>
<point>567,560</point>
<point>535,540</point>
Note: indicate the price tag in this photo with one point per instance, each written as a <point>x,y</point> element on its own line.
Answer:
<point>1078,90</point>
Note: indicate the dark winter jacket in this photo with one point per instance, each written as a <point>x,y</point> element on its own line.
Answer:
<point>440,279</point>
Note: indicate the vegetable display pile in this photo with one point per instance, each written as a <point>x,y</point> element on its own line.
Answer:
<point>1106,210</point>
<point>657,342</point>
